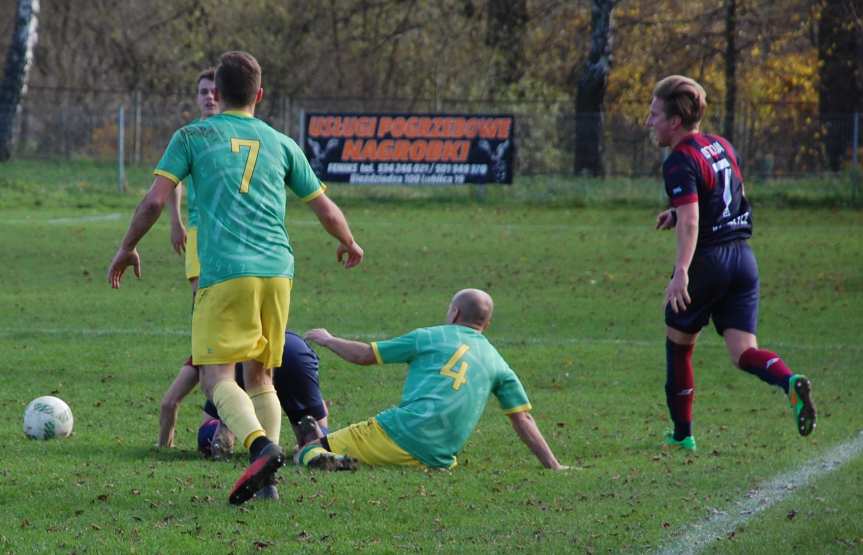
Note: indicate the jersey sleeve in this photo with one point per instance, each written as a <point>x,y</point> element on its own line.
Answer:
<point>510,393</point>
<point>397,349</point>
<point>301,179</point>
<point>681,184</point>
<point>176,163</point>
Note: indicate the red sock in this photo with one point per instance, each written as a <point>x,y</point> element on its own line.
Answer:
<point>767,366</point>
<point>679,387</point>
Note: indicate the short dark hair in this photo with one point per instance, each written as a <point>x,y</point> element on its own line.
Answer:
<point>683,97</point>
<point>238,78</point>
<point>209,74</point>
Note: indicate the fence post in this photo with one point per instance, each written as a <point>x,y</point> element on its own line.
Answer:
<point>136,154</point>
<point>302,132</point>
<point>121,139</point>
<point>286,117</point>
<point>855,141</point>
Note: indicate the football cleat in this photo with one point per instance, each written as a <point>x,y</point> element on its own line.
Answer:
<point>269,492</point>
<point>259,474</point>
<point>308,430</point>
<point>223,443</point>
<point>800,398</point>
<point>332,462</point>
<point>687,443</point>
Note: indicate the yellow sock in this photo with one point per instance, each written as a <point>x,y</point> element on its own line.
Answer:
<point>237,411</point>
<point>310,452</point>
<point>268,410</point>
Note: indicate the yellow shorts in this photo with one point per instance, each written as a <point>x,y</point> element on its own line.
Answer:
<point>241,319</point>
<point>369,443</point>
<point>193,266</point>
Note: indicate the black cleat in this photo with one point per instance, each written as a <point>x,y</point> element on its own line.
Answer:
<point>308,430</point>
<point>333,463</point>
<point>259,474</point>
<point>800,397</point>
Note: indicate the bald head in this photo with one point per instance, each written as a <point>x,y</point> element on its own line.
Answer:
<point>471,307</point>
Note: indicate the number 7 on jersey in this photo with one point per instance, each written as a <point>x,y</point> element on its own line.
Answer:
<point>254,147</point>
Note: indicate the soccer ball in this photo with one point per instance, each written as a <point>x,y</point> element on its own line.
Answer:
<point>47,417</point>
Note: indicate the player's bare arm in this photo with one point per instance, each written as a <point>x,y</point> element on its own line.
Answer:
<point>666,219</point>
<point>184,383</point>
<point>146,214</point>
<point>333,220</point>
<point>526,428</point>
<point>178,230</point>
<point>677,292</point>
<point>352,351</point>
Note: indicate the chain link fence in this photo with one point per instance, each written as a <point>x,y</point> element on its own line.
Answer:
<point>772,140</point>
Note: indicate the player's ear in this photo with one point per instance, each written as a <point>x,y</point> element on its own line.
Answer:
<point>216,96</point>
<point>259,96</point>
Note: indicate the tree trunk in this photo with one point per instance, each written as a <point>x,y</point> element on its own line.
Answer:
<point>505,34</point>
<point>730,69</point>
<point>18,59</point>
<point>839,90</point>
<point>590,94</point>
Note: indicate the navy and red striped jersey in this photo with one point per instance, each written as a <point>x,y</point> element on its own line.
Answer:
<point>704,169</point>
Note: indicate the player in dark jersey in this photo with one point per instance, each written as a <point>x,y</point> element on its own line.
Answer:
<point>296,384</point>
<point>715,274</point>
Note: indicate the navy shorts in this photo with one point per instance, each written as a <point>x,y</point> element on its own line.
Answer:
<point>296,382</point>
<point>299,394</point>
<point>723,285</point>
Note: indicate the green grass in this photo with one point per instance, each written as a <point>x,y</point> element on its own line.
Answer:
<point>578,294</point>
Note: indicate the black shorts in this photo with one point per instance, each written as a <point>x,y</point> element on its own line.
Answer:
<point>723,285</point>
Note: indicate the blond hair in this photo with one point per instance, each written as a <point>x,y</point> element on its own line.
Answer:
<point>683,97</point>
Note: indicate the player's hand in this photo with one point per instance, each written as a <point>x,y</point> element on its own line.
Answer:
<point>666,219</point>
<point>318,335</point>
<point>349,255</point>
<point>677,292</point>
<point>122,260</point>
<point>178,238</point>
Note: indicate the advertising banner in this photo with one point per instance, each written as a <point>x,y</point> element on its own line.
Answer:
<point>409,149</point>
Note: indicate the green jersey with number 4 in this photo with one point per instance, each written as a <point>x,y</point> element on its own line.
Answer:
<point>240,167</point>
<point>453,370</point>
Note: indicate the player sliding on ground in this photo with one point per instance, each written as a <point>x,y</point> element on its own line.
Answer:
<point>715,273</point>
<point>240,167</point>
<point>452,371</point>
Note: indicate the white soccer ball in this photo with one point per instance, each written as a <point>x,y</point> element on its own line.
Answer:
<point>47,417</point>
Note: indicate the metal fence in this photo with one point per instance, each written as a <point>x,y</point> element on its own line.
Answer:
<point>773,140</point>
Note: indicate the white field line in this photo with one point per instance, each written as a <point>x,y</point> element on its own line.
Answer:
<point>766,495</point>
<point>360,223</point>
<point>498,340</point>
<point>65,221</point>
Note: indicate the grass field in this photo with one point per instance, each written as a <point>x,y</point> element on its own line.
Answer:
<point>578,288</point>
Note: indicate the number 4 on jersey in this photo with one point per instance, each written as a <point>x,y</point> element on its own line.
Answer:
<point>254,147</point>
<point>459,378</point>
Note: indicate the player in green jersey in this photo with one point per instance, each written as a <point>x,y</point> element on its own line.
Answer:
<point>185,239</point>
<point>452,371</point>
<point>240,167</point>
